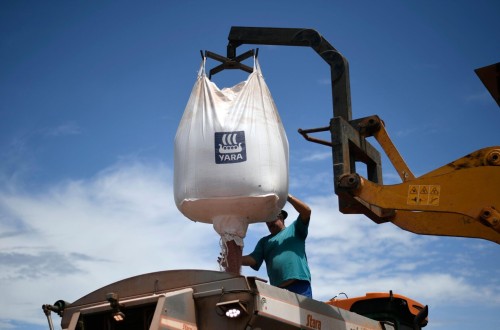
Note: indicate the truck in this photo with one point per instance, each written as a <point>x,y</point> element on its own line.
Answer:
<point>458,199</point>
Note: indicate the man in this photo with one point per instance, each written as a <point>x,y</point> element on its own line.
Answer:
<point>284,251</point>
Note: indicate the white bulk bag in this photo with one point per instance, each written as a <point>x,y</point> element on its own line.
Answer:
<point>231,155</point>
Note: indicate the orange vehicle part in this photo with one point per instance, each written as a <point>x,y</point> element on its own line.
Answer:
<point>385,306</point>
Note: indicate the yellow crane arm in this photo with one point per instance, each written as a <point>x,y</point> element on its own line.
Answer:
<point>461,198</point>
<point>458,199</point>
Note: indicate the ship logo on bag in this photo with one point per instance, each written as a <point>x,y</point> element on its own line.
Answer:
<point>230,147</point>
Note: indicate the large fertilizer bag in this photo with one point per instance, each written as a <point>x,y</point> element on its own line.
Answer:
<point>231,156</point>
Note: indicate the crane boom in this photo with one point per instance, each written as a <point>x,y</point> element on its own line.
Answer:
<point>458,199</point>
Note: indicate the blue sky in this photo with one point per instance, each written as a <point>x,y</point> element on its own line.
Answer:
<point>91,94</point>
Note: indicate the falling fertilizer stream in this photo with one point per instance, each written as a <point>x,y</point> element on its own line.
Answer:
<point>231,257</point>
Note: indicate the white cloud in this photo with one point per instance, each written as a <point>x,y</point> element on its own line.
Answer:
<point>316,156</point>
<point>79,235</point>
<point>483,97</point>
<point>325,81</point>
<point>427,129</point>
<point>67,128</point>
<point>316,181</point>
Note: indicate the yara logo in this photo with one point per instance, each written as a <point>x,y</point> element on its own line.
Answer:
<point>230,147</point>
<point>229,144</point>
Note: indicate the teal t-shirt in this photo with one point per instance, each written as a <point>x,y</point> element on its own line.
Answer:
<point>284,254</point>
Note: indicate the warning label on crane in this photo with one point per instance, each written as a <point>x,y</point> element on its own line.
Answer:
<point>423,195</point>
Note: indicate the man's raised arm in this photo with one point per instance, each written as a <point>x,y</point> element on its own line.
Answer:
<point>301,207</point>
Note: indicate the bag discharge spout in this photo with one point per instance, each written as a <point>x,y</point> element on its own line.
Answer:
<point>231,156</point>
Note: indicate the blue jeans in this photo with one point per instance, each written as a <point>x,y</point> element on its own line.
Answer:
<point>301,287</point>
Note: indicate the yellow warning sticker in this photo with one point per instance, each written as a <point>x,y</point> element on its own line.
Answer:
<point>423,195</point>
<point>435,192</point>
<point>412,195</point>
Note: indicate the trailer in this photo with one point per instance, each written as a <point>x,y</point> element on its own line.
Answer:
<point>203,299</point>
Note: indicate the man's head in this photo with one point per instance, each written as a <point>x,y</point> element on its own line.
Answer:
<point>277,224</point>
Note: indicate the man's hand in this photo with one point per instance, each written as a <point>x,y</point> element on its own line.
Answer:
<point>301,207</point>
<point>222,261</point>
